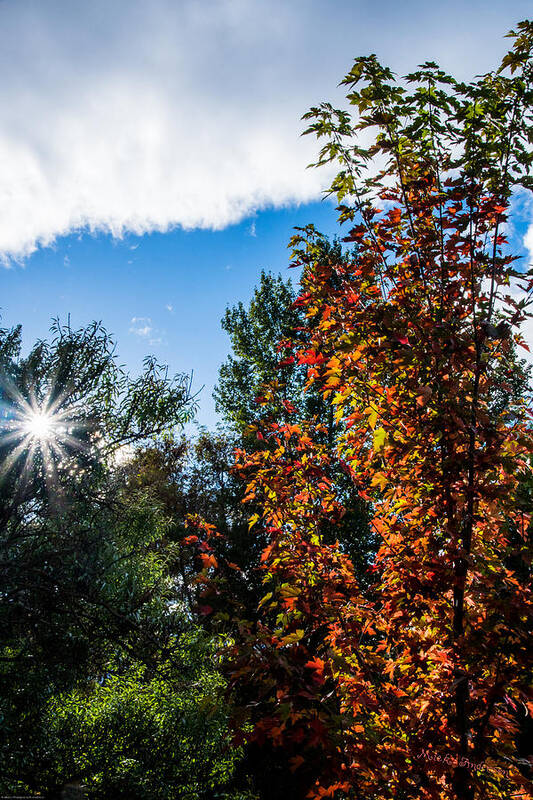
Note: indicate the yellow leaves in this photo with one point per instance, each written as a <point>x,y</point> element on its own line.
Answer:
<point>292,638</point>
<point>265,599</point>
<point>286,590</point>
<point>340,397</point>
<point>379,479</point>
<point>380,439</point>
<point>252,521</point>
<point>372,416</point>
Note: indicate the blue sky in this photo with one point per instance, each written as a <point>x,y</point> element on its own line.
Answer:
<point>158,293</point>
<point>143,141</point>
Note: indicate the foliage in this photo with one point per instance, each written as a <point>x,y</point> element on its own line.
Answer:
<point>195,477</point>
<point>417,687</point>
<point>255,334</point>
<point>149,734</point>
<point>83,560</point>
<point>262,378</point>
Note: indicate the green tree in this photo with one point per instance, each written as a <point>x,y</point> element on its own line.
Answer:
<point>194,476</point>
<point>149,733</point>
<point>92,622</point>
<point>255,333</point>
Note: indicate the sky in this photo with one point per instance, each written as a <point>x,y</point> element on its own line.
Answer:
<point>151,162</point>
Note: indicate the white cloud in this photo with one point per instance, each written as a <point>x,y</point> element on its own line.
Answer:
<point>140,115</point>
<point>144,328</point>
<point>141,326</point>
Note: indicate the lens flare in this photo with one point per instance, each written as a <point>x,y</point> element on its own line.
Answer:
<point>44,431</point>
<point>40,425</point>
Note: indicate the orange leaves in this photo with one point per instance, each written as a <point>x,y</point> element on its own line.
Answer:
<point>295,762</point>
<point>395,215</point>
<point>380,480</point>
<point>330,791</point>
<point>316,664</point>
<point>265,555</point>
<point>208,560</point>
<point>403,383</point>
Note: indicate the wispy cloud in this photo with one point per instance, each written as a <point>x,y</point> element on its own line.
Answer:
<point>140,115</point>
<point>141,326</point>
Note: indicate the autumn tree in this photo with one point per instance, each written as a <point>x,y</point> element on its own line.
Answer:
<point>418,686</point>
<point>261,378</point>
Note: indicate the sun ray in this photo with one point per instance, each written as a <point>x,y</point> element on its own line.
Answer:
<point>35,424</point>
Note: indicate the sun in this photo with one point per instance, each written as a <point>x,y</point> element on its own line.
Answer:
<point>43,431</point>
<point>40,425</point>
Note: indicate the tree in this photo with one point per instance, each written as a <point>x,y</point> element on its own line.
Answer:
<point>418,686</point>
<point>86,589</point>
<point>194,477</point>
<point>255,334</point>
<point>263,378</point>
<point>155,733</point>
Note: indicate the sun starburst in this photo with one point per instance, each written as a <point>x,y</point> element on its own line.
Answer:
<point>40,425</point>
<point>29,427</point>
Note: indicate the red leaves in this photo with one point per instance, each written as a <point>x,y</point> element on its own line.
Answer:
<point>405,358</point>
<point>402,340</point>
<point>289,407</point>
<point>310,357</point>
